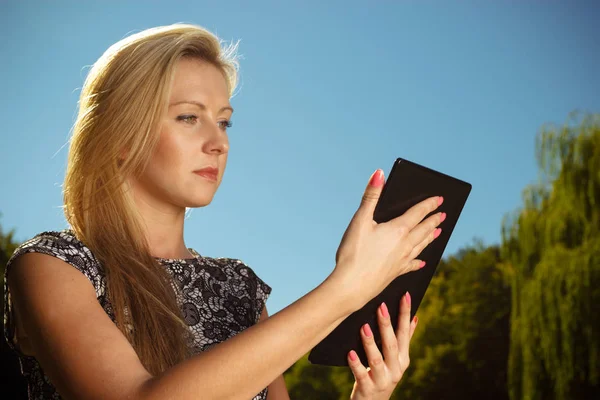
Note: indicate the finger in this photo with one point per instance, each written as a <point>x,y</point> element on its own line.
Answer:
<point>371,195</point>
<point>389,342</point>
<point>361,374</point>
<point>416,251</point>
<point>403,331</point>
<point>415,265</point>
<point>416,213</point>
<point>426,229</point>
<point>374,357</point>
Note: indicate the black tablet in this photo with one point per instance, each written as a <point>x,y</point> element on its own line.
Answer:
<point>407,184</point>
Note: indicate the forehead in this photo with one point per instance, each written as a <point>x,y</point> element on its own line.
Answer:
<point>199,80</point>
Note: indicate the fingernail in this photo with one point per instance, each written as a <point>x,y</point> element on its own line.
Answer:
<point>422,264</point>
<point>416,320</point>
<point>440,200</point>
<point>408,298</point>
<point>353,355</point>
<point>367,330</point>
<point>443,217</point>
<point>437,232</point>
<point>376,179</point>
<point>384,311</point>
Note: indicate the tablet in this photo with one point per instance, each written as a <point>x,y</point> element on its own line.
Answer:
<point>408,183</point>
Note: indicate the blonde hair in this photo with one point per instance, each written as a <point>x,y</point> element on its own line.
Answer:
<point>122,100</point>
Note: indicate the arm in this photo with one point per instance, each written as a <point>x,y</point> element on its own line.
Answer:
<point>277,389</point>
<point>86,356</point>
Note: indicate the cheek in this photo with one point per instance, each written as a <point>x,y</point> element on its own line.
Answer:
<point>167,158</point>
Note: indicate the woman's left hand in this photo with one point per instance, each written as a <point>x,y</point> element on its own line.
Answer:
<point>380,379</point>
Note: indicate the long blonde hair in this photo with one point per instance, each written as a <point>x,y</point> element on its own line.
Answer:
<point>122,101</point>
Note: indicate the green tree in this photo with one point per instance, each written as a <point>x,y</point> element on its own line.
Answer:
<point>305,380</point>
<point>13,384</point>
<point>552,248</point>
<point>8,244</point>
<point>460,348</point>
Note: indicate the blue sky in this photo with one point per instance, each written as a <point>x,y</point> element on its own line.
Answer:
<point>329,92</point>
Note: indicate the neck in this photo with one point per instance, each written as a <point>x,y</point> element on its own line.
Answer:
<point>163,227</point>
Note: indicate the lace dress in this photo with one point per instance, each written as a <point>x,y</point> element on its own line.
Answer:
<point>219,297</point>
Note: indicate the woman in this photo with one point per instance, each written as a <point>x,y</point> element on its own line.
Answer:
<point>118,307</point>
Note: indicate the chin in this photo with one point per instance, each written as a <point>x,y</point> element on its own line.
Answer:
<point>198,202</point>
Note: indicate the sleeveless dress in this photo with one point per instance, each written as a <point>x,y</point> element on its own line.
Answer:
<point>219,298</point>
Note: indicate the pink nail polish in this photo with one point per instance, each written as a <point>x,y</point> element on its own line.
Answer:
<point>408,298</point>
<point>384,311</point>
<point>353,355</point>
<point>367,330</point>
<point>376,178</point>
<point>443,217</point>
<point>437,232</point>
<point>440,200</point>
<point>422,264</point>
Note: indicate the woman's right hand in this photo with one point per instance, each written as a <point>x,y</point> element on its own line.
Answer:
<point>372,255</point>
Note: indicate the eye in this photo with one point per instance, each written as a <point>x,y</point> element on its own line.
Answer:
<point>225,124</point>
<point>188,118</point>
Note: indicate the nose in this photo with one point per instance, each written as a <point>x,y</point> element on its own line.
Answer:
<point>218,142</point>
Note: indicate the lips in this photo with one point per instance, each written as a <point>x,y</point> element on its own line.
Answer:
<point>209,173</point>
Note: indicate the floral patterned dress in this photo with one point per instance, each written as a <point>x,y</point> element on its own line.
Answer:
<point>219,297</point>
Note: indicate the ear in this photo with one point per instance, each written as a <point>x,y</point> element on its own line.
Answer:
<point>122,157</point>
<point>123,154</point>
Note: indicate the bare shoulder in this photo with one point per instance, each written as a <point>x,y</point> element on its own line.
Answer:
<point>68,331</point>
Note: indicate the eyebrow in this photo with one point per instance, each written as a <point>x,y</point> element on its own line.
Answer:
<point>200,105</point>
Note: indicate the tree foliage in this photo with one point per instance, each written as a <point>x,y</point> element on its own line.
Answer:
<point>517,319</point>
<point>460,349</point>
<point>308,381</point>
<point>8,245</point>
<point>552,252</point>
<point>13,384</point>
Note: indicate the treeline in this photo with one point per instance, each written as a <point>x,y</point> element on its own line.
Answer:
<point>12,384</point>
<point>460,349</point>
<point>515,320</point>
<point>520,319</point>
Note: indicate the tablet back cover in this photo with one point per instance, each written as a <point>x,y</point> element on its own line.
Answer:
<point>408,184</point>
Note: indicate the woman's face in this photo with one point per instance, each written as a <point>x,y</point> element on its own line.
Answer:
<point>189,161</point>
